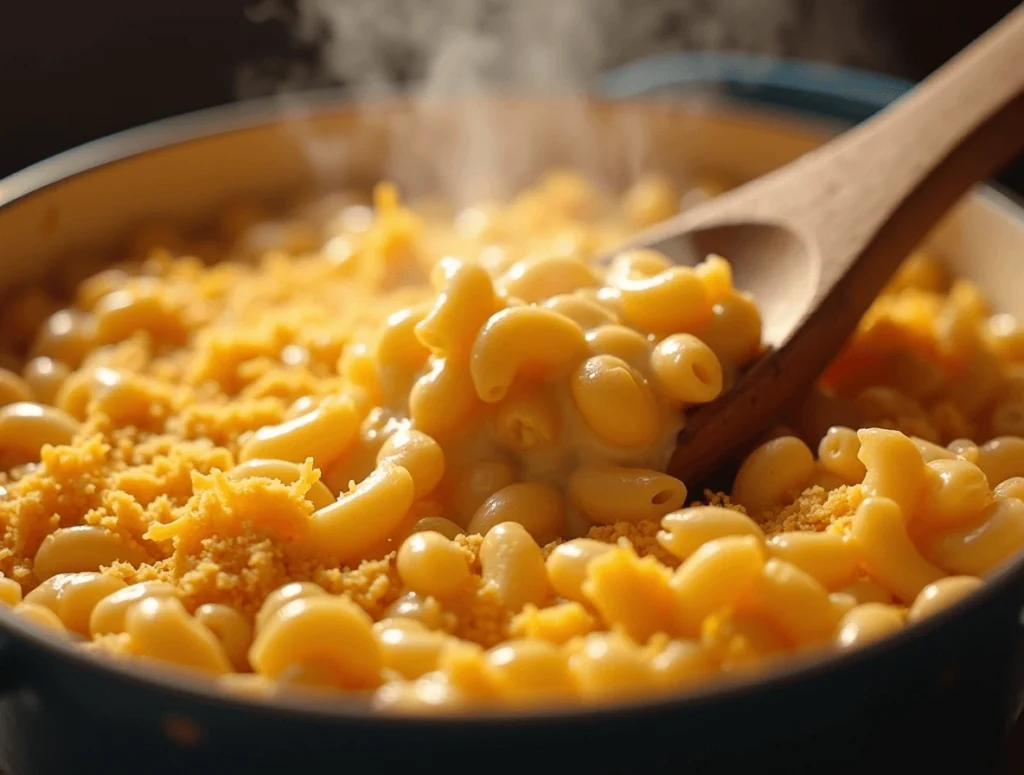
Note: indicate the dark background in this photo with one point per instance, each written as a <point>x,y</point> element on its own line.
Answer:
<point>71,71</point>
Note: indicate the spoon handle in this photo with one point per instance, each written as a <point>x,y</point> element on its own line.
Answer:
<point>882,186</point>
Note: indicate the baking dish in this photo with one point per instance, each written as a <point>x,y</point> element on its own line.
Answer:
<point>938,694</point>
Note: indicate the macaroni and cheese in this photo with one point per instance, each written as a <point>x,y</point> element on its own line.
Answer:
<point>419,455</point>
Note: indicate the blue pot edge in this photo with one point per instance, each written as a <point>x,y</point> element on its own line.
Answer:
<point>840,92</point>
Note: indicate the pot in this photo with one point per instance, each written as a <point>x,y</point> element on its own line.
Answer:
<point>940,694</point>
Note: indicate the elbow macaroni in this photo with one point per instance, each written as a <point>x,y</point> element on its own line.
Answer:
<point>539,508</point>
<point>615,401</point>
<point>773,472</point>
<point>673,300</point>
<point>687,369</point>
<point>323,434</point>
<point>523,340</point>
<point>350,456</point>
<point>609,494</point>
<point>366,516</point>
<point>83,548</point>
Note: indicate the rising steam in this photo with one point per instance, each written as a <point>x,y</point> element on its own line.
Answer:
<point>440,51</point>
<point>459,46</point>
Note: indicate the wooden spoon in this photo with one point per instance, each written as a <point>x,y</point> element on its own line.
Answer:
<point>816,240</point>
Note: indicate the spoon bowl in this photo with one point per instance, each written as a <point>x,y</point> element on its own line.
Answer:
<point>815,241</point>
<point>773,262</point>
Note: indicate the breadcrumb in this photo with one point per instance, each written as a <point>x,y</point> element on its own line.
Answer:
<point>816,509</point>
<point>481,617</point>
<point>373,584</point>
<point>722,500</point>
<point>69,482</point>
<point>641,535</point>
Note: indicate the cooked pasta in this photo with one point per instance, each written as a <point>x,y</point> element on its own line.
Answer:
<point>422,459</point>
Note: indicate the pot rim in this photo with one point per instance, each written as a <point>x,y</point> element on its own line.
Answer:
<point>868,90</point>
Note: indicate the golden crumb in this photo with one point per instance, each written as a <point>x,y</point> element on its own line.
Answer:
<point>641,535</point>
<point>69,483</point>
<point>471,545</point>
<point>169,473</point>
<point>223,423</point>
<point>481,617</point>
<point>722,500</point>
<point>816,509</point>
<point>373,584</point>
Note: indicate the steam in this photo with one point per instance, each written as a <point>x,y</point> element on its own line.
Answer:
<point>446,54</point>
<point>460,46</point>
